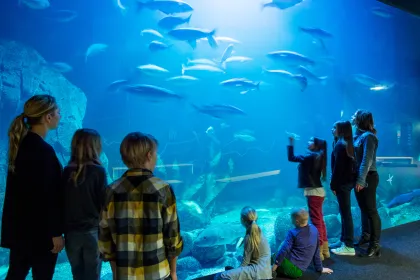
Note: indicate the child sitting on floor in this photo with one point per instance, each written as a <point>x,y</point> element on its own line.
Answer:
<point>299,249</point>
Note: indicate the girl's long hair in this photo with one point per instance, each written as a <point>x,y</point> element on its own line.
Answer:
<point>345,135</point>
<point>86,148</point>
<point>249,219</point>
<point>321,149</point>
<point>363,120</point>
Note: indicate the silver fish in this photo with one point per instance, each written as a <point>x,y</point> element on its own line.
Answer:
<point>170,22</point>
<point>166,6</point>
<point>317,33</point>
<point>191,35</point>
<point>151,91</point>
<point>220,111</point>
<point>291,58</point>
<point>285,76</point>
<point>158,46</point>
<point>241,83</point>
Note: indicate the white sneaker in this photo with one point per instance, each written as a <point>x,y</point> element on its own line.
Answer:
<point>344,251</point>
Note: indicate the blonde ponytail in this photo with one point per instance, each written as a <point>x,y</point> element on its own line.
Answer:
<point>17,131</point>
<point>249,219</point>
<point>254,240</point>
<point>34,109</point>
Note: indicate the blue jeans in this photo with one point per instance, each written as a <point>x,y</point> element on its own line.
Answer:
<point>83,254</point>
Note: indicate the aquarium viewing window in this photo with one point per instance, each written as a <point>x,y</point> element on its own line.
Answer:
<point>410,6</point>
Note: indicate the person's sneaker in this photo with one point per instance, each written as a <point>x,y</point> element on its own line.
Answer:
<point>335,245</point>
<point>344,251</point>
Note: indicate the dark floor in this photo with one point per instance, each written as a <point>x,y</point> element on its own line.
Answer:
<point>400,259</point>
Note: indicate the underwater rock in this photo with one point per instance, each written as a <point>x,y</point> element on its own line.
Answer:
<point>333,225</point>
<point>208,254</point>
<point>296,201</point>
<point>188,265</point>
<point>188,243</point>
<point>282,225</point>
<point>190,218</point>
<point>330,207</point>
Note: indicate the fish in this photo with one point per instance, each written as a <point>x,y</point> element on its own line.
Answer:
<point>288,77</point>
<point>166,6</point>
<point>220,111</point>
<point>191,35</point>
<point>201,68</point>
<point>227,53</point>
<point>403,198</point>
<point>381,12</point>
<point>153,70</point>
<point>242,83</point>
<point>216,235</point>
<point>316,32</point>
<point>35,4</point>
<point>61,67</point>
<point>244,137</point>
<point>281,4</point>
<point>63,15</point>
<point>311,76</point>
<point>183,80</point>
<point>152,32</point>
<point>170,22</point>
<point>95,49</point>
<point>155,46</point>
<point>116,85</point>
<point>291,58</point>
<point>151,91</point>
<point>201,61</point>
<point>366,80</point>
<point>234,59</point>
<point>223,39</point>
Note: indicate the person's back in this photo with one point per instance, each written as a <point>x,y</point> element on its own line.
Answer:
<point>300,248</point>
<point>28,196</point>
<point>139,230</point>
<point>83,202</point>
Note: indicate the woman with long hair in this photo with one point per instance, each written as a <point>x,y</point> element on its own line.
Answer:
<point>84,182</point>
<point>256,262</point>
<point>32,211</point>
<point>366,145</point>
<point>342,182</point>
<point>312,170</point>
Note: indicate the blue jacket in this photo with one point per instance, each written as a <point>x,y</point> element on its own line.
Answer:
<point>365,146</point>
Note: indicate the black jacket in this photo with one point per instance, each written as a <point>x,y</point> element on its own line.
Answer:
<point>32,211</point>
<point>343,168</point>
<point>83,203</point>
<point>309,168</point>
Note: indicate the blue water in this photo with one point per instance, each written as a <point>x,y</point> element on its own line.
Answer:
<point>362,43</point>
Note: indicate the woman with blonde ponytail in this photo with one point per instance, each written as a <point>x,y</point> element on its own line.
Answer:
<point>32,210</point>
<point>256,262</point>
<point>84,182</point>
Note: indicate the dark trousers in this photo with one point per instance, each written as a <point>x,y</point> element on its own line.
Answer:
<point>83,254</point>
<point>347,229</point>
<point>366,198</point>
<point>317,217</point>
<point>21,260</point>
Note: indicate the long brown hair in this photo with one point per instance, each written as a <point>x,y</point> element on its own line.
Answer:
<point>363,120</point>
<point>345,135</point>
<point>249,220</point>
<point>34,110</point>
<point>321,149</point>
<point>86,147</point>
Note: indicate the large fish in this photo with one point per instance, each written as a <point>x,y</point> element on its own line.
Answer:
<point>166,6</point>
<point>243,84</point>
<point>403,198</point>
<point>220,111</point>
<point>317,33</point>
<point>191,35</point>
<point>215,235</point>
<point>311,76</point>
<point>153,92</point>
<point>291,58</point>
<point>284,76</point>
<point>280,4</point>
<point>170,22</point>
